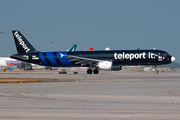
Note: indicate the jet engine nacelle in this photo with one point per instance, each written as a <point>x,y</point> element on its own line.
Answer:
<point>107,65</point>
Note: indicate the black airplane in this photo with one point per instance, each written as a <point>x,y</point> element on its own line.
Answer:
<point>95,60</point>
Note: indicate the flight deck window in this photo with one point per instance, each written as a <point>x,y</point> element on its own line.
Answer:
<point>165,54</point>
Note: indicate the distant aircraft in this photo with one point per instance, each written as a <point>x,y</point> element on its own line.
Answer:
<point>72,48</point>
<point>6,61</point>
<point>90,49</point>
<point>95,60</point>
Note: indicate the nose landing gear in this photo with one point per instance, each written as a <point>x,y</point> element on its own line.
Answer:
<point>155,69</point>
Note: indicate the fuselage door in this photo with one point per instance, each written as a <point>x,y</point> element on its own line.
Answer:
<point>160,57</point>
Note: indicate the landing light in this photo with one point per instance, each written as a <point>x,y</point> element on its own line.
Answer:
<point>173,59</point>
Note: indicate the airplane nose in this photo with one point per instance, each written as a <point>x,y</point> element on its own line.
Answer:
<point>173,59</point>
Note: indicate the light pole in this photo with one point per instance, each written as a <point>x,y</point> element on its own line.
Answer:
<point>1,43</point>
<point>27,35</point>
<point>51,42</point>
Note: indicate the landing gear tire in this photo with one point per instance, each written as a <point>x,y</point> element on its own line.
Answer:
<point>156,71</point>
<point>89,71</point>
<point>95,71</point>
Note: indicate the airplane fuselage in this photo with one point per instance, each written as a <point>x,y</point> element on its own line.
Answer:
<point>118,57</point>
<point>95,60</point>
<point>6,62</point>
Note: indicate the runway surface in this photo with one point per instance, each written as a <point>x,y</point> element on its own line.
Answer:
<point>125,96</point>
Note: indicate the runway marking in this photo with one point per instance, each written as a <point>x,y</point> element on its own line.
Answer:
<point>98,113</point>
<point>89,86</point>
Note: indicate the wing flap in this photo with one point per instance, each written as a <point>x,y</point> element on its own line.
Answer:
<point>83,60</point>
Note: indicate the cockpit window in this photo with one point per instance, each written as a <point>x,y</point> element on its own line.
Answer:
<point>165,54</point>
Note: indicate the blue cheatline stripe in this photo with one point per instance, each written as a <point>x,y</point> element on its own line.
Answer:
<point>63,59</point>
<point>52,59</point>
<point>42,58</point>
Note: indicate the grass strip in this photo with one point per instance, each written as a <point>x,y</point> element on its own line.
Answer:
<point>23,80</point>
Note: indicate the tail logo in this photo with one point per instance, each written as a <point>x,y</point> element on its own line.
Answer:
<point>21,42</point>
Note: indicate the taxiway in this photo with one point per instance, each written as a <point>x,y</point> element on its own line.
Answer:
<point>121,96</point>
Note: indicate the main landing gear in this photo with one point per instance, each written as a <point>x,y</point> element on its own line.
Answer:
<point>89,71</point>
<point>95,71</point>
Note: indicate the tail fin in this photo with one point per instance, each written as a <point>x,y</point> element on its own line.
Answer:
<point>72,48</point>
<point>90,49</point>
<point>22,44</point>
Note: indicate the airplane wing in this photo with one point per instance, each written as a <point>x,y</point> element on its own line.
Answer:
<point>82,60</point>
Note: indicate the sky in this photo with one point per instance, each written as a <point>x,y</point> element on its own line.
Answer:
<point>117,24</point>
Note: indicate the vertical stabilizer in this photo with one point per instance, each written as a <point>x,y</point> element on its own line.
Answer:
<point>72,48</point>
<point>22,44</point>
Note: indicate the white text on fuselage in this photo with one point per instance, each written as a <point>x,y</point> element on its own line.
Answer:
<point>21,42</point>
<point>131,56</point>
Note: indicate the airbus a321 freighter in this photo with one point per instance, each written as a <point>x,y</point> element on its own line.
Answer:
<point>95,60</point>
